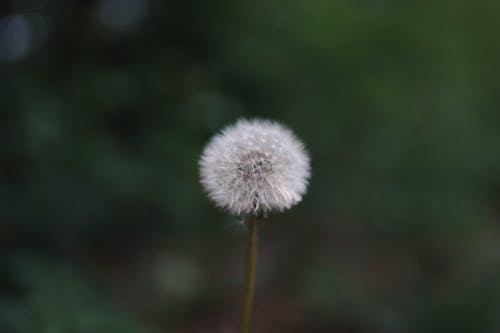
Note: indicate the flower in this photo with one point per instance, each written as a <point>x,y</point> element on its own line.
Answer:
<point>255,166</point>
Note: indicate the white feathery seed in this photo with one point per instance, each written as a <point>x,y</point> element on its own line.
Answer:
<point>255,166</point>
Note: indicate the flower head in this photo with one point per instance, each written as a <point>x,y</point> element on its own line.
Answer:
<point>255,166</point>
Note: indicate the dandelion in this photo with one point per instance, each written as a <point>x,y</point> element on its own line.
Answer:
<point>252,168</point>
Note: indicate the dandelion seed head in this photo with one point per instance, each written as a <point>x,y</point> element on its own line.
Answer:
<point>255,166</point>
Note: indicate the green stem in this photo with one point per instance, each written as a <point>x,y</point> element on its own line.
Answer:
<point>251,261</point>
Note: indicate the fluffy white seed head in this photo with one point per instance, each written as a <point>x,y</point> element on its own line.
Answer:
<point>255,166</point>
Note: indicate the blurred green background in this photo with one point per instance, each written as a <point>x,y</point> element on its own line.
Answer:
<point>106,106</point>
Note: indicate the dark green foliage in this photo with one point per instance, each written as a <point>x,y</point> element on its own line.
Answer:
<point>104,226</point>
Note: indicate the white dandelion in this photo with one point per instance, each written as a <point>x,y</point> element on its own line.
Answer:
<point>254,167</point>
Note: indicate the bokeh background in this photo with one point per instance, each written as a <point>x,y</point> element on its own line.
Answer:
<point>106,106</point>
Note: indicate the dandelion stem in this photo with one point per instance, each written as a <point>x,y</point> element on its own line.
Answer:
<point>251,261</point>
